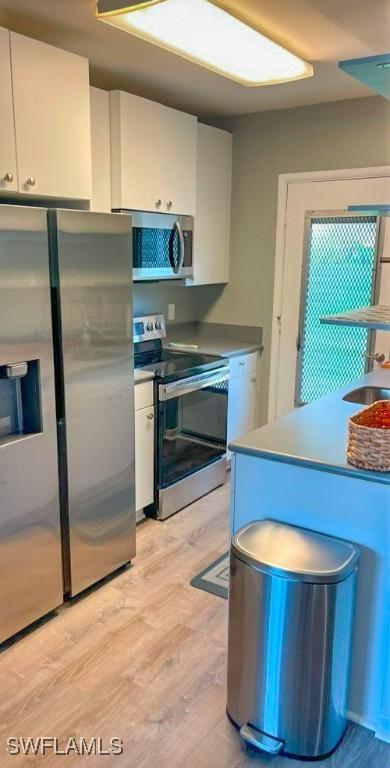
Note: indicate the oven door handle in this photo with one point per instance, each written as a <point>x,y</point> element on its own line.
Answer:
<point>192,384</point>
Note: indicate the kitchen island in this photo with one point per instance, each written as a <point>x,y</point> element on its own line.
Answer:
<point>294,470</point>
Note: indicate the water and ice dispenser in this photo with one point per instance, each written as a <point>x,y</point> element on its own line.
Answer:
<point>20,402</point>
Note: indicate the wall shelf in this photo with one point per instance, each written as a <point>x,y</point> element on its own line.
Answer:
<point>373,71</point>
<point>375,318</point>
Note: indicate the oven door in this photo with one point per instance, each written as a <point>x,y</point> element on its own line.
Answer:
<point>162,246</point>
<point>192,425</point>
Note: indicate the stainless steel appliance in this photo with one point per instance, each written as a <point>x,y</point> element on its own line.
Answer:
<point>291,605</point>
<point>91,275</point>
<point>191,393</point>
<point>162,245</point>
<point>30,544</point>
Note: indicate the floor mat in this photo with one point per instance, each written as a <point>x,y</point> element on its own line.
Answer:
<point>214,578</point>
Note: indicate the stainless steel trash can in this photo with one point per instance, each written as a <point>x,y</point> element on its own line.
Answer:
<point>291,603</point>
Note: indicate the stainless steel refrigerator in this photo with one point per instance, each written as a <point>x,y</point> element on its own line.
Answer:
<point>65,367</point>
<point>91,274</point>
<point>30,544</point>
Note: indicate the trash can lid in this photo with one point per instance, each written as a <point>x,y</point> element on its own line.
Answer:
<point>295,553</point>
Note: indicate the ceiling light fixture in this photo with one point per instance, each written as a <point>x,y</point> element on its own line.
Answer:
<point>204,33</point>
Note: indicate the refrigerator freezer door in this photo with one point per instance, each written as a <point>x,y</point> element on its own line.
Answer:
<point>91,267</point>
<point>30,545</point>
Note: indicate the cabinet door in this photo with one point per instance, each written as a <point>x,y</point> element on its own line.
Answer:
<point>213,198</point>
<point>241,406</point>
<point>52,119</point>
<point>179,161</point>
<point>153,155</point>
<point>144,457</point>
<point>100,150</point>
<point>8,170</point>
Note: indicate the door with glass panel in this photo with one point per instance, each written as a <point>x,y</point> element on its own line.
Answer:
<point>339,273</point>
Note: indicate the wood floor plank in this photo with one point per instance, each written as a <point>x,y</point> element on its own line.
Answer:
<point>143,657</point>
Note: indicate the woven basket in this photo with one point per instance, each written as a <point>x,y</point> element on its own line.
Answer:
<point>369,447</point>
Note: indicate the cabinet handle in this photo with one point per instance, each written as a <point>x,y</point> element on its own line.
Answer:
<point>8,177</point>
<point>31,181</point>
<point>158,203</point>
<point>169,204</point>
<point>150,416</point>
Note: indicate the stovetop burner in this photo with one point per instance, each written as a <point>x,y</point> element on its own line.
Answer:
<point>150,355</point>
<point>170,366</point>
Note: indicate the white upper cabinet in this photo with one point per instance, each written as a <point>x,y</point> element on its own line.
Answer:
<point>100,150</point>
<point>213,200</point>
<point>153,156</point>
<point>8,168</point>
<point>52,119</point>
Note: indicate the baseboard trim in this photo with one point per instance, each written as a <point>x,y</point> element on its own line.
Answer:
<point>364,722</point>
<point>360,720</point>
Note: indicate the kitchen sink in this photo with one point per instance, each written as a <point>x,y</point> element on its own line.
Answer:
<point>367,395</point>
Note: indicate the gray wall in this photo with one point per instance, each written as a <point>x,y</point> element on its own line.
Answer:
<point>190,303</point>
<point>348,134</point>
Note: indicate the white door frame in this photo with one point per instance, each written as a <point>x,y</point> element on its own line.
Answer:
<point>284,180</point>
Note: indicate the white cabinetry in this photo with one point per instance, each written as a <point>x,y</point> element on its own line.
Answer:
<point>8,168</point>
<point>144,444</point>
<point>45,115</point>
<point>52,119</point>
<point>153,155</point>
<point>242,395</point>
<point>100,150</point>
<point>213,200</point>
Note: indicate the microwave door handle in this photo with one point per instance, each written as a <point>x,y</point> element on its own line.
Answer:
<point>171,250</point>
<point>181,246</point>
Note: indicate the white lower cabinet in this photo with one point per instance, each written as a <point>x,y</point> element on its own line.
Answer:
<point>242,396</point>
<point>144,445</point>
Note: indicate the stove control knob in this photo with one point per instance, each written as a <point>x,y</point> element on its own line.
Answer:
<point>149,327</point>
<point>157,325</point>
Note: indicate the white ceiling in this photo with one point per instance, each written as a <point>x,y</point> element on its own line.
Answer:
<point>321,31</point>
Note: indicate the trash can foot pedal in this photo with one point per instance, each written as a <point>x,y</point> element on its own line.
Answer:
<point>255,738</point>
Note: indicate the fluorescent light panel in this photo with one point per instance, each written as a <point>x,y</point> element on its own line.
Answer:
<point>204,33</point>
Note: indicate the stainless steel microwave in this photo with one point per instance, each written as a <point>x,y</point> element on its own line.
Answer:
<point>162,245</point>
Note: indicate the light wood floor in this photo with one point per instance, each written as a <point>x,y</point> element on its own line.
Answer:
<point>143,658</point>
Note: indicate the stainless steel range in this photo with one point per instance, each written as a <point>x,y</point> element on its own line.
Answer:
<point>191,395</point>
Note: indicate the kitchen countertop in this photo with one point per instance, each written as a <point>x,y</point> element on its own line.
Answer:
<point>316,434</point>
<point>140,375</point>
<point>218,347</point>
<point>219,339</point>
